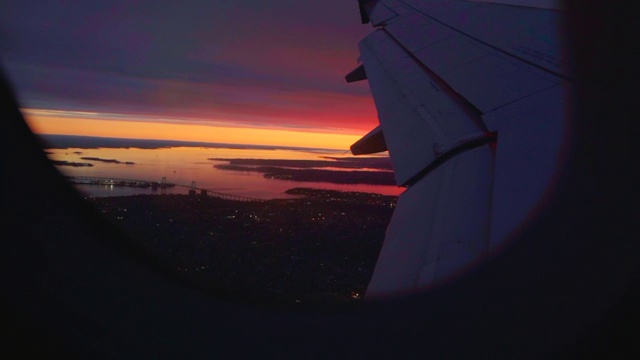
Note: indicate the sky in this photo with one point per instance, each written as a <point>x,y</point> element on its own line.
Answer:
<point>258,65</point>
<point>205,70</point>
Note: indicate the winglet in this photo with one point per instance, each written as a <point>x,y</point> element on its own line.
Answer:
<point>371,143</point>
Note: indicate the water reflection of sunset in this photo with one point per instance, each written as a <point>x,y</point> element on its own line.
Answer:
<point>182,165</point>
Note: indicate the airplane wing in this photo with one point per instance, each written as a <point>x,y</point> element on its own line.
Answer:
<point>471,99</point>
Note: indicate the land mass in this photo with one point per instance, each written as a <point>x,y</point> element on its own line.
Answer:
<point>381,163</point>
<point>71,163</point>
<point>114,161</point>
<point>318,175</point>
<point>316,250</point>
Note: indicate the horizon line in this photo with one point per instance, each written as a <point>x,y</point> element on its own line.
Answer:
<point>167,143</point>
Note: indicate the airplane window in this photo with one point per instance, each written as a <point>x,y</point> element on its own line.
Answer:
<point>233,152</point>
<point>563,189</point>
<point>232,170</point>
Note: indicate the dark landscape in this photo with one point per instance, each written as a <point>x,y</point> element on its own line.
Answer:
<point>318,175</point>
<point>71,163</point>
<point>316,250</point>
<point>380,163</point>
<point>318,170</point>
<point>113,161</point>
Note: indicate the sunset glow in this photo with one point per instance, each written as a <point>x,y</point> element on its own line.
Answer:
<point>90,124</point>
<point>237,72</point>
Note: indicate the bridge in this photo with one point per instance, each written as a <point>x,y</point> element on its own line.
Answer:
<point>162,185</point>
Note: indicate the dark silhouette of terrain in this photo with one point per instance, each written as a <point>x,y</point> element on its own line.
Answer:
<point>316,175</point>
<point>320,249</point>
<point>382,163</point>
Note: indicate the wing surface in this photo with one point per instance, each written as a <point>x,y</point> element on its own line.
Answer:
<point>470,99</point>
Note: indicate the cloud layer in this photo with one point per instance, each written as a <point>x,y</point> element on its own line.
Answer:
<point>278,63</point>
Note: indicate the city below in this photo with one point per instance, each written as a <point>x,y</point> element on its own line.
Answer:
<point>318,249</point>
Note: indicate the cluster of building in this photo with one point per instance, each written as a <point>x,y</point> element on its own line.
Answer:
<point>314,250</point>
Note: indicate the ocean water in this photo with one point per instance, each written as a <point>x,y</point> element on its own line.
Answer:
<point>184,165</point>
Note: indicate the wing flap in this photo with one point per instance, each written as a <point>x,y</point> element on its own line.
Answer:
<point>439,225</point>
<point>418,115</point>
<point>531,136</point>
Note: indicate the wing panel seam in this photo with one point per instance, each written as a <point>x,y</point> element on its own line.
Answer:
<point>489,45</point>
<point>465,104</point>
<point>449,154</point>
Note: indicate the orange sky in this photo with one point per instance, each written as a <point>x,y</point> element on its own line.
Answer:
<point>94,124</point>
<point>230,71</point>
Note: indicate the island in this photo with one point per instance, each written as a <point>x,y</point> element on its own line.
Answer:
<point>380,163</point>
<point>113,161</point>
<point>318,175</point>
<point>71,163</point>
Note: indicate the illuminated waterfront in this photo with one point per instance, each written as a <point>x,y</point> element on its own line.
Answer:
<point>183,165</point>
